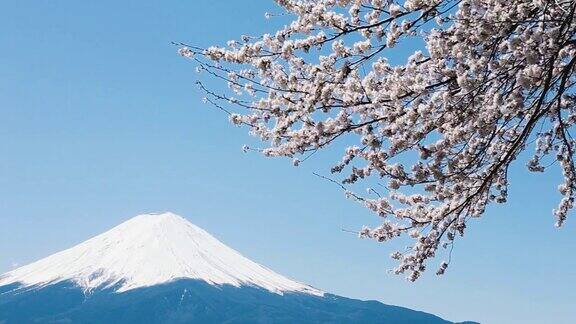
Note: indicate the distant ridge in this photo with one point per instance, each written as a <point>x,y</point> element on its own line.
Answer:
<point>160,268</point>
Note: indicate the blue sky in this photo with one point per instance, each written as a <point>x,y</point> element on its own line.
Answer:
<point>101,121</point>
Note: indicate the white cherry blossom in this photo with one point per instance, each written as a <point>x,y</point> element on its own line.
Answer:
<point>438,132</point>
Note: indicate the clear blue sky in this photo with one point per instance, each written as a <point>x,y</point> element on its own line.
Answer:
<point>101,121</point>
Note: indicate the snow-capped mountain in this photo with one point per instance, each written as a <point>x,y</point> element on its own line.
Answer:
<point>148,250</point>
<point>160,268</point>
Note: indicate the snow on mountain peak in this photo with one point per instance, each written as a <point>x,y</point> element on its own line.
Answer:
<point>147,250</point>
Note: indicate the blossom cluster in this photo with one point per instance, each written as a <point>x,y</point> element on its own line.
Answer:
<point>439,131</point>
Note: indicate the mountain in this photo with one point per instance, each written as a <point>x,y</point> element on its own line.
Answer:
<point>148,250</point>
<point>160,268</point>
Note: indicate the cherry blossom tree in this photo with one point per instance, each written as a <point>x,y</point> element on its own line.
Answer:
<point>439,130</point>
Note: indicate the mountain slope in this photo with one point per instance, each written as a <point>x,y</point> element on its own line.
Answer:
<point>159,268</point>
<point>195,301</point>
<point>148,250</point>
